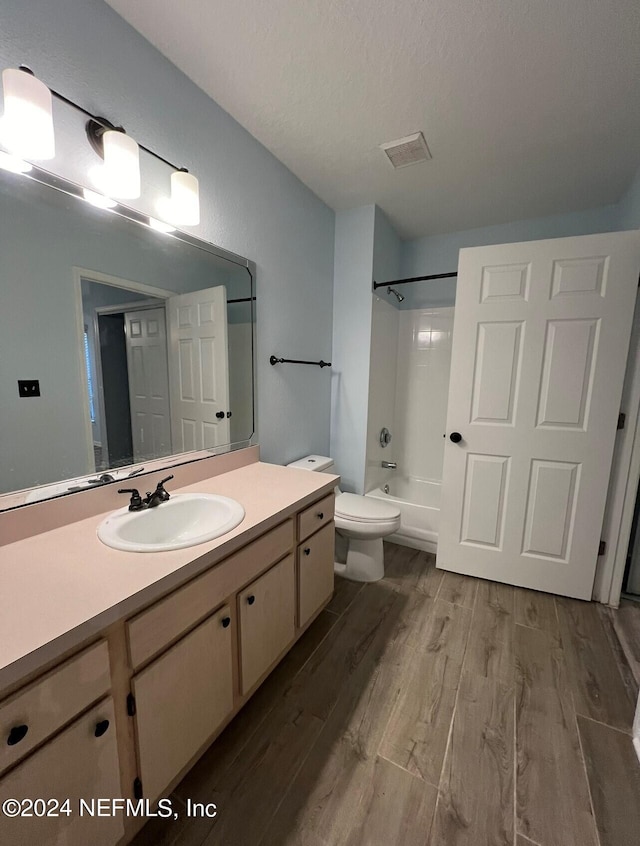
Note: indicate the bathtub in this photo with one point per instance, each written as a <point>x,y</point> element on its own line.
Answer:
<point>419,504</point>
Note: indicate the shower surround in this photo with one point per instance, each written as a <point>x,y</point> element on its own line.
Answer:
<point>408,391</point>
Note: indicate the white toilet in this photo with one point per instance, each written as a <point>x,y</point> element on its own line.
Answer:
<point>361,522</point>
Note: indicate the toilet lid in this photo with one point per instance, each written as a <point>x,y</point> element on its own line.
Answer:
<point>365,509</point>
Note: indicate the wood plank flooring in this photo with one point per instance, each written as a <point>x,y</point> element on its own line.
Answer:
<point>427,709</point>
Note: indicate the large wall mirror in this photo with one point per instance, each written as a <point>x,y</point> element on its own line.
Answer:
<point>120,346</point>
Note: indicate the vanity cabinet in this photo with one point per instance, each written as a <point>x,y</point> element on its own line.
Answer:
<point>181,699</point>
<point>39,710</point>
<point>315,572</point>
<point>80,763</point>
<point>266,611</point>
<point>126,716</point>
<point>316,516</point>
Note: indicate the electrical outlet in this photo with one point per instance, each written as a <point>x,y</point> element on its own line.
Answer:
<point>29,387</point>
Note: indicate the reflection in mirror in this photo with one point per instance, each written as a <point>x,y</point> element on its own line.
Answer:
<point>134,344</point>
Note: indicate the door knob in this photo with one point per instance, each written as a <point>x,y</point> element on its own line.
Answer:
<point>456,437</point>
<point>219,414</point>
<point>16,734</point>
<point>228,414</point>
<point>101,728</point>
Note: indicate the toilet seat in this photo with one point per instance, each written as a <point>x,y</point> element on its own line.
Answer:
<point>365,509</point>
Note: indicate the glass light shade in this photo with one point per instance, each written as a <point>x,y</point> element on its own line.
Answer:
<point>119,176</point>
<point>185,198</point>
<point>27,124</point>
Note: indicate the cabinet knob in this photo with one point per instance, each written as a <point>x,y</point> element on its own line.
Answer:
<point>307,551</point>
<point>251,599</point>
<point>320,515</point>
<point>17,734</point>
<point>226,622</point>
<point>101,728</point>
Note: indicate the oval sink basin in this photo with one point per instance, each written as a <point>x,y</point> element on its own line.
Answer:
<point>185,520</point>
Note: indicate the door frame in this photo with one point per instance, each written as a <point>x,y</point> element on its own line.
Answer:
<point>623,482</point>
<point>80,273</point>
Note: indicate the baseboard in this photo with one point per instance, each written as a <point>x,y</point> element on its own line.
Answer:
<point>413,543</point>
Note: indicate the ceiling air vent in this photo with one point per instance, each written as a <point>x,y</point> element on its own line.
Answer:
<point>407,151</point>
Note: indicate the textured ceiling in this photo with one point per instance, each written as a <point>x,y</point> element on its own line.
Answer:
<point>529,107</point>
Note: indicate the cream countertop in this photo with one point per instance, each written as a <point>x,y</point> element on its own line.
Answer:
<point>61,587</point>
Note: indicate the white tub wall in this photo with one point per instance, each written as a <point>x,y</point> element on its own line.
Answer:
<point>382,390</point>
<point>422,389</point>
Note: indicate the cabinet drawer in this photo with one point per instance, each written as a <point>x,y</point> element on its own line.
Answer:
<point>81,763</point>
<point>154,629</point>
<point>51,701</point>
<point>181,699</point>
<point>317,515</point>
<point>315,572</point>
<point>267,620</point>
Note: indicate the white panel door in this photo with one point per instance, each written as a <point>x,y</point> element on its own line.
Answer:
<point>199,369</point>
<point>540,340</point>
<point>146,339</point>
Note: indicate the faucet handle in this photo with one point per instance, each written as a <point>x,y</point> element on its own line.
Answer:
<point>160,491</point>
<point>136,503</point>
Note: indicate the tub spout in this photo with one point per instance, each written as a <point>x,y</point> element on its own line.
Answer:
<point>389,465</point>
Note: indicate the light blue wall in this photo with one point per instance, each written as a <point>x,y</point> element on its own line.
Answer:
<point>353,269</point>
<point>387,251</point>
<point>366,247</point>
<point>251,203</point>
<point>629,206</point>
<point>439,253</point>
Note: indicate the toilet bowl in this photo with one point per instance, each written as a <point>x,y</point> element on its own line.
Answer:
<point>361,524</point>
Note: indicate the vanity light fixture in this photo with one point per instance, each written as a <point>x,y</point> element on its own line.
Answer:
<point>13,164</point>
<point>27,123</point>
<point>183,207</point>
<point>119,176</point>
<point>100,201</point>
<point>26,130</point>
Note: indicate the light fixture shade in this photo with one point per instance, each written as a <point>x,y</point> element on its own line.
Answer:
<point>27,124</point>
<point>119,176</point>
<point>185,198</point>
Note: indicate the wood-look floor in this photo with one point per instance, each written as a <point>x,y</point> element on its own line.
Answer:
<point>428,709</point>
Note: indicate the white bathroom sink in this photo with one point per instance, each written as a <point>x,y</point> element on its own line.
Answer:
<point>185,520</point>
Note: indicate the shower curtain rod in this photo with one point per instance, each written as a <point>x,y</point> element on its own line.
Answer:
<point>377,285</point>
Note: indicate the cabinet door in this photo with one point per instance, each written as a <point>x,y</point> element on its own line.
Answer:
<point>181,699</point>
<point>81,763</point>
<point>315,572</point>
<point>267,620</point>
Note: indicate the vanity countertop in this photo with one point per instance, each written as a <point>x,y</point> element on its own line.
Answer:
<point>61,587</point>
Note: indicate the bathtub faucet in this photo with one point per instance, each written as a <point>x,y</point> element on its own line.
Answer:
<point>389,465</point>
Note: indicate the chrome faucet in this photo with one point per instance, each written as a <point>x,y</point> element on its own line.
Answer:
<point>389,465</point>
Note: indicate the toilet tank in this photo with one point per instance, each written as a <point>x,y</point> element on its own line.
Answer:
<point>319,463</point>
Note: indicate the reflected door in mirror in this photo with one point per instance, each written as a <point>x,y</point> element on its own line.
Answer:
<point>199,369</point>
